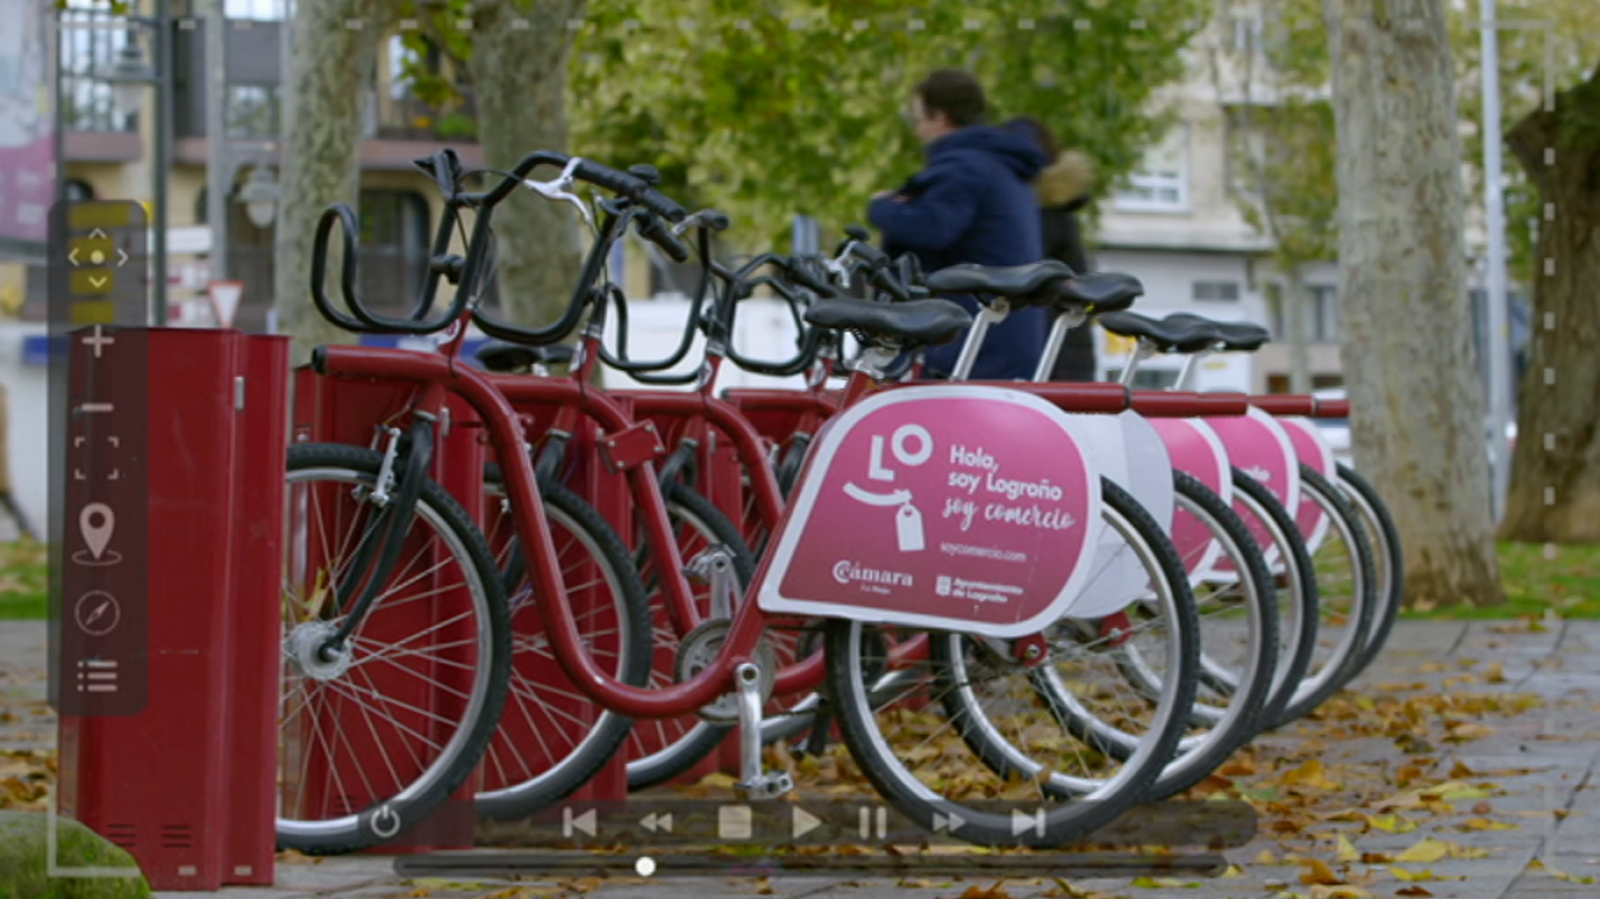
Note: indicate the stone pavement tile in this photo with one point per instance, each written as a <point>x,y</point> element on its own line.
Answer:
<point>1516,634</point>
<point>1421,636</point>
<point>1581,639</point>
<point>1559,683</point>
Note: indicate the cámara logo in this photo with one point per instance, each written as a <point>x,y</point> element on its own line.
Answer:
<point>850,572</point>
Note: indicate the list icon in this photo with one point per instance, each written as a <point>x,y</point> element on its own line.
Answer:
<point>96,522</point>
<point>97,676</point>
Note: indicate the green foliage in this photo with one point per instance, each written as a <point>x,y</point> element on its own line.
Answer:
<point>767,109</point>
<point>1281,133</point>
<point>1531,60</point>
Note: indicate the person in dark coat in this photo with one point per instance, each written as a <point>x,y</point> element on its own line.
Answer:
<point>1063,188</point>
<point>973,203</point>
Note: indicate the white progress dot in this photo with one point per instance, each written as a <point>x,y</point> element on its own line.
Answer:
<point>645,866</point>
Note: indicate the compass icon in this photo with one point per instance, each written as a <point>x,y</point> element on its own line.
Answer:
<point>97,613</point>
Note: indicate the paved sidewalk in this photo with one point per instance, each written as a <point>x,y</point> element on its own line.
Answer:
<point>1514,809</point>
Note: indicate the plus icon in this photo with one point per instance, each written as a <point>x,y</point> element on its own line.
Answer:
<point>99,341</point>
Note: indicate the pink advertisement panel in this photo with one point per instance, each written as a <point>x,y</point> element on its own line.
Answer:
<point>968,507</point>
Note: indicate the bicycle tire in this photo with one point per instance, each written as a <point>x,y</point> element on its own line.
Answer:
<point>360,830</point>
<point>702,737</point>
<point>1230,727</point>
<point>1318,687</point>
<point>565,509</point>
<point>851,698</point>
<point>1254,706</point>
<point>1300,637</point>
<point>1392,574</point>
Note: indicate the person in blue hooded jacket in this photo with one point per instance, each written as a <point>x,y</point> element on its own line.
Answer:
<point>973,203</point>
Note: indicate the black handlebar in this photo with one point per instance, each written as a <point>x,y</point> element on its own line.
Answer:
<point>445,169</point>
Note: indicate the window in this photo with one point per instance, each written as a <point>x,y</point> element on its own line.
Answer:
<point>1216,291</point>
<point>89,47</point>
<point>252,111</point>
<point>255,10</point>
<point>1246,32</point>
<point>1162,182</point>
<point>394,247</point>
<point>1324,300</point>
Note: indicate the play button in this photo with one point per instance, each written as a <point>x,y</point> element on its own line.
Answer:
<point>804,822</point>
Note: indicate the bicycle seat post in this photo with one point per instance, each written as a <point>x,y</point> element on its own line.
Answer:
<point>1186,373</point>
<point>991,313</point>
<point>1142,350</point>
<point>1068,316</point>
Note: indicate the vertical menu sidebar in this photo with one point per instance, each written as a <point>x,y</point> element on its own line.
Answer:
<point>99,427</point>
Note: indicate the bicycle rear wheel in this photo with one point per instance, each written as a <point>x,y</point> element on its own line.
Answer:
<point>662,749</point>
<point>377,736</point>
<point>1347,588</point>
<point>1388,565</point>
<point>980,760</point>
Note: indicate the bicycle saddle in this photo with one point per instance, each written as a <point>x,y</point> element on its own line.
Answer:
<point>911,323</point>
<point>1239,337</point>
<point>1168,336</point>
<point>1102,292</point>
<point>1037,284</point>
<point>506,358</point>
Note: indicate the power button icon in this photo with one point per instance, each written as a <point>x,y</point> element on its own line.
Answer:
<point>385,822</point>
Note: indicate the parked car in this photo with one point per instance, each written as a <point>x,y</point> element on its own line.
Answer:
<point>1337,431</point>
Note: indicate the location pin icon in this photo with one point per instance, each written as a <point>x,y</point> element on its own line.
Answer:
<point>96,522</point>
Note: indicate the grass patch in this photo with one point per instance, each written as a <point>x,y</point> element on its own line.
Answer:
<point>1568,585</point>
<point>24,580</point>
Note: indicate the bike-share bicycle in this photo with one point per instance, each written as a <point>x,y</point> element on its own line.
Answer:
<point>1002,575</point>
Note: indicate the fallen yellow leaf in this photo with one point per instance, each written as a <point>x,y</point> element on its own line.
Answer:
<point>1318,872</point>
<point>1411,876</point>
<point>1347,850</point>
<point>1341,891</point>
<point>1486,824</point>
<point>1391,823</point>
<point>1429,850</point>
<point>1310,774</point>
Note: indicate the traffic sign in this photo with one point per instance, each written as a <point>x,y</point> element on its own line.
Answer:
<point>225,296</point>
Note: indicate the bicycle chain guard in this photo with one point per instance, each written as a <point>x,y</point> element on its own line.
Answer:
<point>699,650</point>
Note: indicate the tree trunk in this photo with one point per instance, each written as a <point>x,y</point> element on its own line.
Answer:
<point>1417,407</point>
<point>1296,320</point>
<point>519,66</point>
<point>333,65</point>
<point>1555,472</point>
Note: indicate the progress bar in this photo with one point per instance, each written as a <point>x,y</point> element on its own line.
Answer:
<point>775,863</point>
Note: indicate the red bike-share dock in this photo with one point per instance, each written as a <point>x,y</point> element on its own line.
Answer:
<point>187,780</point>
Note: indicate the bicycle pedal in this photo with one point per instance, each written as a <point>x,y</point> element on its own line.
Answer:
<point>764,788</point>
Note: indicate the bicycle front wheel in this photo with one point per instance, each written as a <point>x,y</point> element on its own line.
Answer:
<point>376,735</point>
<point>552,737</point>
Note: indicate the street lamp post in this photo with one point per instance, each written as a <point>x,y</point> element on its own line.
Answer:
<point>128,77</point>
<point>1498,343</point>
